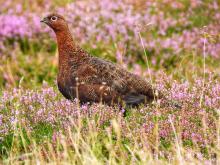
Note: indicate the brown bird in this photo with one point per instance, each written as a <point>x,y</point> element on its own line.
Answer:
<point>91,79</point>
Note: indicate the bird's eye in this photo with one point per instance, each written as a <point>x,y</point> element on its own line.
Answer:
<point>54,18</point>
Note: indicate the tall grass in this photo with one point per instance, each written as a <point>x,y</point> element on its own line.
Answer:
<point>38,126</point>
<point>80,145</point>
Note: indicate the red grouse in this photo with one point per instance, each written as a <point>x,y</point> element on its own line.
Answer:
<point>92,79</point>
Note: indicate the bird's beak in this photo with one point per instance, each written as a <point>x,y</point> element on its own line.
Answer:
<point>45,20</point>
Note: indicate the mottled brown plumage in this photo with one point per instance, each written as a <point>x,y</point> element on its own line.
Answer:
<point>92,79</point>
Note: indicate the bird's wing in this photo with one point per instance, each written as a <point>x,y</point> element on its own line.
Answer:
<point>121,79</point>
<point>95,79</point>
<point>109,78</point>
<point>109,74</point>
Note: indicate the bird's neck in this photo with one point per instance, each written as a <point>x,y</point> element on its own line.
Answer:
<point>69,52</point>
<point>65,43</point>
<point>66,47</point>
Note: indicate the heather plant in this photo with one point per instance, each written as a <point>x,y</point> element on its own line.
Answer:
<point>44,115</point>
<point>113,22</point>
<point>174,44</point>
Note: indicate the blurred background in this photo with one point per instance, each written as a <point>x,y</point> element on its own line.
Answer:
<point>173,36</point>
<point>174,42</point>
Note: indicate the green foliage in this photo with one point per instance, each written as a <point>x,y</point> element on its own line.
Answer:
<point>5,145</point>
<point>42,132</point>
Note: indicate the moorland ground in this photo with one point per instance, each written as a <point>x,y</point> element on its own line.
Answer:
<point>173,44</point>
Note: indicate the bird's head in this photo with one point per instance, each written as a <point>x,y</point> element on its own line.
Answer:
<point>56,22</point>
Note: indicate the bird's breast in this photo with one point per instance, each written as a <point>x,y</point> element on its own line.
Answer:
<point>65,85</point>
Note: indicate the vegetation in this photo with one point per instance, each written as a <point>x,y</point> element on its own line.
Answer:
<point>173,44</point>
